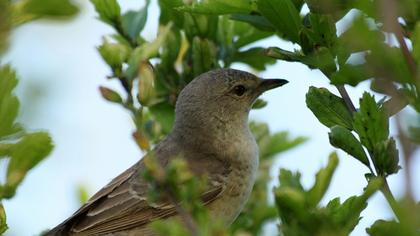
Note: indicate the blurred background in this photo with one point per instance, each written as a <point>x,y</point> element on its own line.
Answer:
<point>60,71</point>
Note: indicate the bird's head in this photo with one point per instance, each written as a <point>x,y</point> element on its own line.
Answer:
<point>226,94</point>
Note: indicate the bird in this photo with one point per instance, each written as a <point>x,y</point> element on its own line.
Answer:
<point>211,134</point>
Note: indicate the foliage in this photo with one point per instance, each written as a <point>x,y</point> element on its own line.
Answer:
<point>392,71</point>
<point>22,150</point>
<point>197,36</point>
<point>186,46</point>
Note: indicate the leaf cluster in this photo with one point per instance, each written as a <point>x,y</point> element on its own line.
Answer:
<point>19,149</point>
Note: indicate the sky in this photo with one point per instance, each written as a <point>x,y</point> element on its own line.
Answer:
<point>61,70</point>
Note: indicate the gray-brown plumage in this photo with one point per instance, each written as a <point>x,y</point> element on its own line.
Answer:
<point>211,132</point>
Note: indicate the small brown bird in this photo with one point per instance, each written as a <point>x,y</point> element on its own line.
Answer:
<point>211,133</point>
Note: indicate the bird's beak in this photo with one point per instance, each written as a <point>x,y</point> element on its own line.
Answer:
<point>267,84</point>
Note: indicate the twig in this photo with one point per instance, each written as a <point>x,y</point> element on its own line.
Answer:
<point>386,191</point>
<point>343,92</point>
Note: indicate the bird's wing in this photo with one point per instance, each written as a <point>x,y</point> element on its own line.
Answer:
<point>122,204</point>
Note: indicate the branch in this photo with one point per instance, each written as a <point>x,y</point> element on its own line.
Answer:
<point>343,92</point>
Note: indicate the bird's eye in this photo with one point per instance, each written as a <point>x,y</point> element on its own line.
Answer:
<point>239,90</point>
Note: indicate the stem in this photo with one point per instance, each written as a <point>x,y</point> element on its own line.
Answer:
<point>386,191</point>
<point>343,92</point>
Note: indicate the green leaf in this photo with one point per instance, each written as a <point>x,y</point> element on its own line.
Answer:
<point>220,7</point>
<point>25,154</point>
<point>272,144</point>
<point>254,57</point>
<point>146,86</point>
<point>82,194</point>
<point>9,104</point>
<point>290,179</point>
<point>384,228</point>
<point>133,22</point>
<point>146,51</point>
<point>164,114</point>
<point>259,103</point>
<point>5,24</point>
<point>360,37</point>
<point>290,203</point>
<point>257,21</point>
<point>283,15</point>
<point>203,55</point>
<point>322,181</point>
<point>168,12</point>
<point>347,214</point>
<point>114,54</point>
<point>245,34</point>
<point>3,224</point>
<point>320,30</point>
<point>386,158</point>
<point>318,59</point>
<point>328,108</point>
<point>50,8</point>
<point>371,122</point>
<point>109,11</point>
<point>349,74</point>
<point>342,138</point>
<point>415,39</point>
<point>110,95</point>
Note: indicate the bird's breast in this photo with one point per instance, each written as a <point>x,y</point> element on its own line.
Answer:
<point>239,183</point>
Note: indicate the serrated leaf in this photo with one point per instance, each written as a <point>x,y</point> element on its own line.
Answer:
<point>290,179</point>
<point>9,104</point>
<point>330,109</point>
<point>109,11</point>
<point>322,181</point>
<point>133,22</point>
<point>342,138</point>
<point>347,214</point>
<point>220,7</point>
<point>283,15</point>
<point>254,57</point>
<point>371,122</point>
<point>385,228</point>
